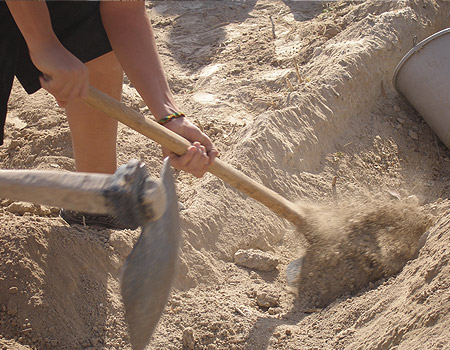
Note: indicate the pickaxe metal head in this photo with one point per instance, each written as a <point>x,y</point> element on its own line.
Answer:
<point>150,268</point>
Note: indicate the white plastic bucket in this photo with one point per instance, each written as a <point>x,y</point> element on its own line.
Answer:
<point>423,77</point>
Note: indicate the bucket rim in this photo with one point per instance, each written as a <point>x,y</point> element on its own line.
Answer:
<point>415,49</point>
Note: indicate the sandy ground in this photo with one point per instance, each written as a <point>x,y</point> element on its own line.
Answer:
<point>299,96</point>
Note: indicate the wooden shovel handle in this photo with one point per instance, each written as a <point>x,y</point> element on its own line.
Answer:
<point>179,145</point>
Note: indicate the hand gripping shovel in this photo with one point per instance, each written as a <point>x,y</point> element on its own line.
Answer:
<point>135,200</point>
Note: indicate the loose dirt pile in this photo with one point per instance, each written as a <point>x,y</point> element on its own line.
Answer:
<point>297,95</point>
<point>353,246</point>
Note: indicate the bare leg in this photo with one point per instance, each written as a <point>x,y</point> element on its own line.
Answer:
<point>94,135</point>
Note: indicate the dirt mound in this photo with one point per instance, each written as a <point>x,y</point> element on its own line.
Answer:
<point>298,96</point>
<point>63,273</point>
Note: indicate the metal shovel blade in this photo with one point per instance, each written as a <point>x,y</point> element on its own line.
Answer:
<point>150,268</point>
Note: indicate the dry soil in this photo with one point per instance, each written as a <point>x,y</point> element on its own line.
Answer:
<point>298,95</point>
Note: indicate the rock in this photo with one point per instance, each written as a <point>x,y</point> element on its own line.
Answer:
<point>255,259</point>
<point>254,275</point>
<point>13,290</point>
<point>43,210</point>
<point>413,135</point>
<point>402,115</point>
<point>394,195</point>
<point>121,242</point>
<point>21,208</point>
<point>267,298</point>
<point>331,30</point>
<point>188,338</point>
<point>414,200</point>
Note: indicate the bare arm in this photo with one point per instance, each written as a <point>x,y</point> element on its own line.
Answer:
<point>130,33</point>
<point>69,76</point>
<point>131,36</point>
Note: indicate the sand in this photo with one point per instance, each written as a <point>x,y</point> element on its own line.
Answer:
<point>299,96</point>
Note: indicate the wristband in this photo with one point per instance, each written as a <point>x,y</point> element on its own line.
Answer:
<point>170,117</point>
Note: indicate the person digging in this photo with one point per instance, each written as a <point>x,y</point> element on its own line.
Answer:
<point>64,47</point>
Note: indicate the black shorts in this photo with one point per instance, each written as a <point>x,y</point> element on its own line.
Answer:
<point>78,26</point>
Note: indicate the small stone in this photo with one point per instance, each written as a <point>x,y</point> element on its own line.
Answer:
<point>13,290</point>
<point>43,210</point>
<point>414,200</point>
<point>254,275</point>
<point>331,30</point>
<point>255,259</point>
<point>394,195</point>
<point>53,342</point>
<point>21,208</point>
<point>188,338</point>
<point>401,120</point>
<point>267,298</point>
<point>397,108</point>
<point>272,311</point>
<point>26,330</point>
<point>413,135</point>
<point>121,243</point>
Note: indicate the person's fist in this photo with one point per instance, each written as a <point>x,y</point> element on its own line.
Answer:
<point>199,156</point>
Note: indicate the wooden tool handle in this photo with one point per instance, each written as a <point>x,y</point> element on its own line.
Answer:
<point>74,191</point>
<point>179,145</point>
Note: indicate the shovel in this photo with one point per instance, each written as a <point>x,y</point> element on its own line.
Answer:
<point>135,200</point>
